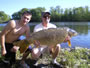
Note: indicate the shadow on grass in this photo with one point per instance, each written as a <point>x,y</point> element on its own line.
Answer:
<point>29,61</point>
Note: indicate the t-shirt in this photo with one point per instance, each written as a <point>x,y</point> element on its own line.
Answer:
<point>41,27</point>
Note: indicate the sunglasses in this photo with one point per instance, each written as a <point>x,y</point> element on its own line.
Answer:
<point>45,16</point>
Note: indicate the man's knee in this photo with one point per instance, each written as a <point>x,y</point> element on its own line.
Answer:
<point>58,46</point>
<point>35,53</point>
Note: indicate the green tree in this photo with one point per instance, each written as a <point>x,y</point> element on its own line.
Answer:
<point>36,14</point>
<point>4,17</point>
<point>55,14</point>
<point>79,14</point>
<point>66,12</point>
<point>17,15</point>
<point>87,14</point>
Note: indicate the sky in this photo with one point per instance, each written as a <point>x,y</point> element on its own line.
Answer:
<point>11,6</point>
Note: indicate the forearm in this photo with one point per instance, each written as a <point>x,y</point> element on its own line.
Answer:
<point>3,42</point>
<point>3,49</point>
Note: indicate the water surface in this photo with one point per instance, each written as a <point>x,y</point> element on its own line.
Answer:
<point>83,29</point>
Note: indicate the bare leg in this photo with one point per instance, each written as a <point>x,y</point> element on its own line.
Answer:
<point>23,64</point>
<point>24,57</point>
<point>35,53</point>
<point>55,51</point>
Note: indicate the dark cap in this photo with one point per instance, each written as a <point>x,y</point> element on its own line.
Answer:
<point>43,13</point>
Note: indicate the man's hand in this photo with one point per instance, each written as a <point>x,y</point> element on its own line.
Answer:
<point>15,48</point>
<point>3,52</point>
<point>37,43</point>
<point>67,39</point>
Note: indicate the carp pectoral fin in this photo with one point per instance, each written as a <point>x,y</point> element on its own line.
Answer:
<point>23,44</point>
<point>69,43</point>
<point>23,48</point>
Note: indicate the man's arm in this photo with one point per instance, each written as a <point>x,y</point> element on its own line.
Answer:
<point>4,32</point>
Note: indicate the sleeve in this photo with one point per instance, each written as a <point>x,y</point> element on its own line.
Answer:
<point>35,29</point>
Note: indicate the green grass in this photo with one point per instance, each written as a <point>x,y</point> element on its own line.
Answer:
<point>69,58</point>
<point>75,58</point>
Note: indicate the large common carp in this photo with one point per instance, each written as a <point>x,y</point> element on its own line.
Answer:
<point>51,36</point>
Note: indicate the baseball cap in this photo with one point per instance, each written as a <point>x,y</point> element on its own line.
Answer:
<point>43,13</point>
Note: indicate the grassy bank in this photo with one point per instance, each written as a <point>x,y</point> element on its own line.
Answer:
<point>70,58</point>
<point>75,58</point>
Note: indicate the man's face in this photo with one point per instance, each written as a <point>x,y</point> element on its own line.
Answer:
<point>26,18</point>
<point>46,18</point>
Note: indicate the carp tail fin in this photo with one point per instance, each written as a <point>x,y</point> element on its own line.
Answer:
<point>69,43</point>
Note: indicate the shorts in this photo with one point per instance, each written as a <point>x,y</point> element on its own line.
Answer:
<point>10,56</point>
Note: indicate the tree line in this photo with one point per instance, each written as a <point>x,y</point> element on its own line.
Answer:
<point>58,14</point>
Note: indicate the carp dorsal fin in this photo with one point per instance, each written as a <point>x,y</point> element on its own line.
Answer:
<point>70,31</point>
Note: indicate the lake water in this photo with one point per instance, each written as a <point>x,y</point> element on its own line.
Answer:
<point>83,37</point>
<point>83,29</point>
